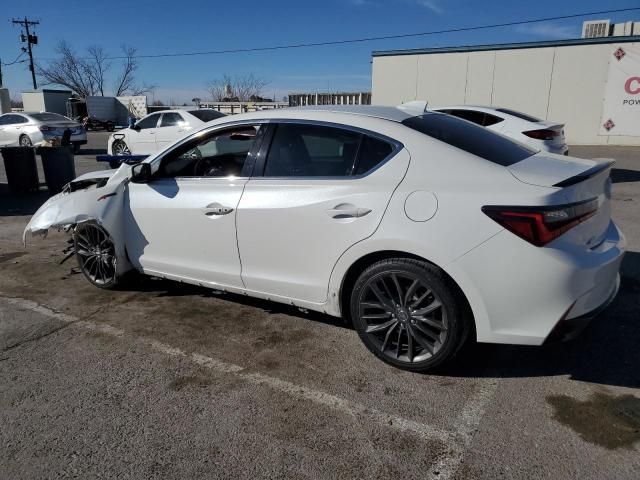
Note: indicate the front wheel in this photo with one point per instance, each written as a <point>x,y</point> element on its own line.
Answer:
<point>96,255</point>
<point>119,148</point>
<point>408,314</point>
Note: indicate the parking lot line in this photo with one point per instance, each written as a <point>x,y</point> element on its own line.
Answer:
<point>456,440</point>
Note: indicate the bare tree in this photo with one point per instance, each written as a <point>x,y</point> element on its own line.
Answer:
<point>240,88</point>
<point>88,75</point>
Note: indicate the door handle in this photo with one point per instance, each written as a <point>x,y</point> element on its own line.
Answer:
<point>346,210</point>
<point>216,209</point>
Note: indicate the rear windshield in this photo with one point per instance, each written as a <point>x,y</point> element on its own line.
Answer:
<point>523,116</point>
<point>470,137</point>
<point>206,115</point>
<point>48,117</point>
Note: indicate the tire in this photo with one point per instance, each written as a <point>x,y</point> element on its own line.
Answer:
<point>110,126</point>
<point>119,147</point>
<point>96,257</point>
<point>25,141</point>
<point>400,304</point>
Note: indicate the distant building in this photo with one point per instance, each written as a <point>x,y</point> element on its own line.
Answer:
<point>592,85</point>
<point>604,28</point>
<point>338,98</point>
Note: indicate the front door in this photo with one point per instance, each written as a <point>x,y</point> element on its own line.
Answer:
<point>323,189</point>
<point>182,223</point>
<point>172,126</point>
<point>142,140</point>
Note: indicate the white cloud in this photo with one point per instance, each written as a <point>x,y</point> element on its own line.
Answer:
<point>431,5</point>
<point>549,30</point>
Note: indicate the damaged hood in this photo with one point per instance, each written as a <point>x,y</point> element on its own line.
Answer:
<point>95,196</point>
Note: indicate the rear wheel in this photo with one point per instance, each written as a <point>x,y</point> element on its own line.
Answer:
<point>408,314</point>
<point>96,256</point>
<point>25,141</point>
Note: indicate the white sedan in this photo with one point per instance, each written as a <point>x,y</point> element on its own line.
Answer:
<point>422,230</point>
<point>525,128</point>
<point>158,130</point>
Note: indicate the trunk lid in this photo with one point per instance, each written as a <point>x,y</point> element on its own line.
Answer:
<point>580,180</point>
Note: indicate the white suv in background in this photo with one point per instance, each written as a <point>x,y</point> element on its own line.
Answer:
<point>539,134</point>
<point>158,130</point>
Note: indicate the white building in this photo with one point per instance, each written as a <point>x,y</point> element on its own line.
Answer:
<point>591,84</point>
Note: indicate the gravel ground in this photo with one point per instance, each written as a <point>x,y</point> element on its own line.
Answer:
<point>165,380</point>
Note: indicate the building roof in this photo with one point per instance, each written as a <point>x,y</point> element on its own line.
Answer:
<point>507,46</point>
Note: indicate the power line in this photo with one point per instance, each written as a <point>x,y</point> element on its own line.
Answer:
<point>385,37</point>
<point>17,60</point>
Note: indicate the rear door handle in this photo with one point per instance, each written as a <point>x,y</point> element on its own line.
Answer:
<point>216,209</point>
<point>346,210</point>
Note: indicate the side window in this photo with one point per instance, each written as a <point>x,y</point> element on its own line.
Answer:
<point>491,119</point>
<point>148,122</point>
<point>13,119</point>
<point>218,154</point>
<point>372,152</point>
<point>4,119</point>
<point>171,119</point>
<point>311,151</point>
<point>470,115</point>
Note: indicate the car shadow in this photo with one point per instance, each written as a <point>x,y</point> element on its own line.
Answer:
<point>12,204</point>
<point>605,353</point>
<point>622,175</point>
<point>169,288</point>
<point>92,151</point>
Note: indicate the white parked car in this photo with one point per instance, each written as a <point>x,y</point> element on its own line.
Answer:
<point>158,130</point>
<point>423,230</point>
<point>525,128</point>
<point>34,128</point>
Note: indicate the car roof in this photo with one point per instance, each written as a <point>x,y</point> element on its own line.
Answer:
<point>394,114</point>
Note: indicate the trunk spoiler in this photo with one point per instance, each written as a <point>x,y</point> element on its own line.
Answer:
<point>592,172</point>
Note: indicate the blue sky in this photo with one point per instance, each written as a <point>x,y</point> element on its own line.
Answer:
<point>161,26</point>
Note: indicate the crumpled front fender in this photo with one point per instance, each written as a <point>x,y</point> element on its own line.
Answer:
<point>103,206</point>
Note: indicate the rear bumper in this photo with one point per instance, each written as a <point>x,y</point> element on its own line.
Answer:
<point>569,328</point>
<point>519,292</point>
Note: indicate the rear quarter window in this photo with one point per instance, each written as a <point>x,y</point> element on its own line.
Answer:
<point>470,137</point>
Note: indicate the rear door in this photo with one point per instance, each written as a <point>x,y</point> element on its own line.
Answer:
<point>323,188</point>
<point>142,139</point>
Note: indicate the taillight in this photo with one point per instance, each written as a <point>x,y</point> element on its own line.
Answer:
<point>45,128</point>
<point>542,134</point>
<point>541,225</point>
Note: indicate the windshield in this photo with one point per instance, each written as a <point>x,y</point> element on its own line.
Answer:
<point>470,137</point>
<point>49,117</point>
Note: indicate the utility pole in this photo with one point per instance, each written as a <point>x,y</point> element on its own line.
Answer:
<point>29,39</point>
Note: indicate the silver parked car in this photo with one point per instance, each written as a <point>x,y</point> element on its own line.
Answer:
<point>31,128</point>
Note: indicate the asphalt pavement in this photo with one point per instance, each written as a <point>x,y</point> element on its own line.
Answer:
<point>165,380</point>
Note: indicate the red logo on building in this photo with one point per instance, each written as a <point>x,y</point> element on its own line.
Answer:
<point>608,125</point>
<point>632,85</point>
<point>619,53</point>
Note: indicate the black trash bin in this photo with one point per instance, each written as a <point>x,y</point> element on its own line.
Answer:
<point>58,166</point>
<point>20,166</point>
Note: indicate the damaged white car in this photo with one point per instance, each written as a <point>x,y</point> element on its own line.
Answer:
<point>421,228</point>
